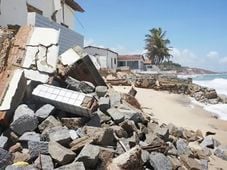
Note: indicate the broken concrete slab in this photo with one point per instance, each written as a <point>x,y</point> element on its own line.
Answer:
<point>73,166</point>
<point>11,95</point>
<point>44,111</point>
<point>89,155</point>
<point>37,147</point>
<point>44,162</point>
<point>159,161</point>
<point>30,136</point>
<point>66,100</point>
<point>128,160</point>
<point>84,70</point>
<point>42,50</point>
<point>60,154</point>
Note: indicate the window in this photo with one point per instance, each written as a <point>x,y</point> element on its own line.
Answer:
<point>31,8</point>
<point>115,61</point>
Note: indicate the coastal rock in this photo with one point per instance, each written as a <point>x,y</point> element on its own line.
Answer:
<point>44,162</point>
<point>5,158</point>
<point>104,104</point>
<point>59,134</point>
<point>86,87</point>
<point>120,132</point>
<point>60,154</point>
<point>21,157</point>
<point>24,120</point>
<point>43,112</point>
<point>210,94</point>
<point>15,148</point>
<point>77,144</point>
<point>101,136</point>
<point>182,147</point>
<point>190,163</point>
<point>30,136</point>
<point>94,121</point>
<point>72,166</point>
<point>210,142</point>
<point>74,122</point>
<point>37,147</point>
<point>89,155</point>
<point>128,160</point>
<point>117,116</point>
<point>221,152</point>
<point>3,141</point>
<point>101,91</point>
<point>49,122</point>
<point>159,161</point>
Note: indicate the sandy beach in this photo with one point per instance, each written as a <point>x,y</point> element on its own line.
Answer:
<point>179,110</point>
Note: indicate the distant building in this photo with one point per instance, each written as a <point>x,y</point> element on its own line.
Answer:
<point>55,14</point>
<point>134,62</point>
<point>106,57</point>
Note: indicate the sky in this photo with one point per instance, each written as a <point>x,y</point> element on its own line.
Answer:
<point>197,29</point>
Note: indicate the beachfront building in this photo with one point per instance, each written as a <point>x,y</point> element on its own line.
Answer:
<point>134,62</point>
<point>57,14</point>
<point>106,58</point>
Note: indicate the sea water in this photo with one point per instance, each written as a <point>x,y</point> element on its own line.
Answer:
<point>219,83</point>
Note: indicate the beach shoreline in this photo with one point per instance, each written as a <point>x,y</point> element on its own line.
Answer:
<point>180,110</point>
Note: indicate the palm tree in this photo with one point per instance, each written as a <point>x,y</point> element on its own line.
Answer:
<point>157,46</point>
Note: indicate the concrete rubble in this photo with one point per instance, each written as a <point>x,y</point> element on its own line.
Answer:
<point>60,114</point>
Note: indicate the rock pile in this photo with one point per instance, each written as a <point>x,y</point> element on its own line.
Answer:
<point>74,121</point>
<point>168,83</point>
<point>118,137</point>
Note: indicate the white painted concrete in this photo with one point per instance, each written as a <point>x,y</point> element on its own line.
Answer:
<point>15,12</point>
<point>44,59</point>
<point>12,90</point>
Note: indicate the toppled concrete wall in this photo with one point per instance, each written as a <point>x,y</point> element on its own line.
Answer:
<point>67,100</point>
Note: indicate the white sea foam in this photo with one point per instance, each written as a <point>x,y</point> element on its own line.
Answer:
<point>219,84</point>
<point>220,110</point>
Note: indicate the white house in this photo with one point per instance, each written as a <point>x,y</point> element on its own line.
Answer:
<point>106,57</point>
<point>134,62</point>
<point>58,14</point>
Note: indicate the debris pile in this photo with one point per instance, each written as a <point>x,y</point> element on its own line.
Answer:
<point>58,113</point>
<point>167,83</point>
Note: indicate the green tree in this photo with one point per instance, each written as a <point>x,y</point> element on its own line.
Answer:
<point>157,46</point>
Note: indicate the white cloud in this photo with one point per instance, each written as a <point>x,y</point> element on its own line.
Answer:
<point>212,60</point>
<point>223,61</point>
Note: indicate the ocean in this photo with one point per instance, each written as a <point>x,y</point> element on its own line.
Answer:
<point>219,83</point>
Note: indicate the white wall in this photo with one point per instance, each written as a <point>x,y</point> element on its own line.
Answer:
<point>68,38</point>
<point>104,52</point>
<point>15,12</point>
